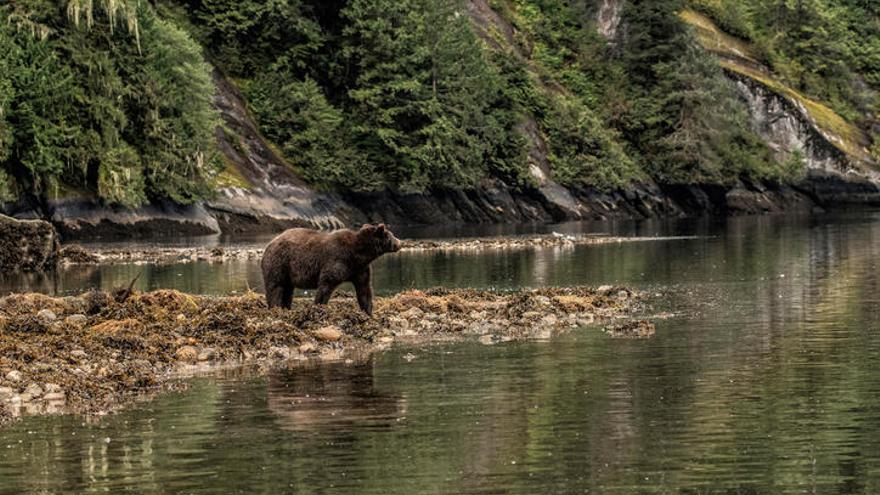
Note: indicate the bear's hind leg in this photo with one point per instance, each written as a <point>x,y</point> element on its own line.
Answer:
<point>279,296</point>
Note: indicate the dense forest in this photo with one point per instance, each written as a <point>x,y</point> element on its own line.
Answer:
<point>113,98</point>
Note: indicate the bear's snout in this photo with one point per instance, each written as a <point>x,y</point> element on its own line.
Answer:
<point>396,245</point>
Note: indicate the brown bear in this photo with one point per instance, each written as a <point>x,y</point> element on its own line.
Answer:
<point>308,259</point>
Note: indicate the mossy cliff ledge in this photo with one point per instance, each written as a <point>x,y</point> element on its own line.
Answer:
<point>98,351</point>
<point>837,166</point>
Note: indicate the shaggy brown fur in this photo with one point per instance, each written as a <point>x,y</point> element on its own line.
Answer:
<point>308,259</point>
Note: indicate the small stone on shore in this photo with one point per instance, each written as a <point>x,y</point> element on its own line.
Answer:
<point>330,333</point>
<point>46,316</point>
<point>207,354</point>
<point>34,389</point>
<point>77,320</point>
<point>187,354</point>
<point>55,397</point>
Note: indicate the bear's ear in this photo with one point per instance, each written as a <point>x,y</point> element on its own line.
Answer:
<point>381,227</point>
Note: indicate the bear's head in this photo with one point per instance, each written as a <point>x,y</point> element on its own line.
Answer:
<point>380,238</point>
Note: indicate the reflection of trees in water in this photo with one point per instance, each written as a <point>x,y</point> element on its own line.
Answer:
<point>782,383</point>
<point>145,450</point>
<point>331,397</point>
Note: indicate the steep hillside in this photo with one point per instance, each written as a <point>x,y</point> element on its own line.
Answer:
<point>227,115</point>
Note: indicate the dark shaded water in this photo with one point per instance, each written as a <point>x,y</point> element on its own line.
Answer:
<point>765,381</point>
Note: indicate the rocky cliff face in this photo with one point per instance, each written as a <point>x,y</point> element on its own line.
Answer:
<point>786,129</point>
<point>268,195</point>
<point>608,19</point>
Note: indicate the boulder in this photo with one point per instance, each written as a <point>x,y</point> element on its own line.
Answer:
<point>27,245</point>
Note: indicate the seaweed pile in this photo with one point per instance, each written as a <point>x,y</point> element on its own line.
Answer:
<point>94,352</point>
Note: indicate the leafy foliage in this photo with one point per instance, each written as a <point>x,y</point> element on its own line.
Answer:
<point>113,97</point>
<point>685,119</point>
<point>826,49</point>
<point>125,114</point>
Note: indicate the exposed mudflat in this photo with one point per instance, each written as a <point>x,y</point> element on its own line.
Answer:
<point>77,255</point>
<point>96,352</point>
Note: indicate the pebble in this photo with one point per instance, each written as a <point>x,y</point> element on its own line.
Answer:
<point>550,320</point>
<point>413,313</point>
<point>207,354</point>
<point>398,322</point>
<point>278,352</point>
<point>34,389</point>
<point>584,321</point>
<point>187,353</point>
<point>13,376</point>
<point>78,354</point>
<point>46,316</point>
<point>541,334</point>
<point>330,333</point>
<point>77,320</point>
<point>6,392</point>
<point>55,397</point>
<point>307,347</point>
<point>604,288</point>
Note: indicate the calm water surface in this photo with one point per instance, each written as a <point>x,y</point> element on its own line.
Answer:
<point>766,380</point>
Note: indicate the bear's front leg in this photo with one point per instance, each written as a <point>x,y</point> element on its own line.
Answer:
<point>322,295</point>
<point>364,290</point>
<point>328,281</point>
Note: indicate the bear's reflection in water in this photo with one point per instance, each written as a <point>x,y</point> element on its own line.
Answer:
<point>331,396</point>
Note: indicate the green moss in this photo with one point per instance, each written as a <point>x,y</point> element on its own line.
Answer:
<point>717,41</point>
<point>739,57</point>
<point>231,176</point>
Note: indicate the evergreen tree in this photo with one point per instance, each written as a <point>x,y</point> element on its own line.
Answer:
<point>686,119</point>
<point>107,98</point>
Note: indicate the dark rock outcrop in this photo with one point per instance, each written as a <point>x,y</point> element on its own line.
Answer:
<point>27,245</point>
<point>270,196</point>
<point>79,218</point>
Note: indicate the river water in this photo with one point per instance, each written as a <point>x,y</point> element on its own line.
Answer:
<point>765,379</point>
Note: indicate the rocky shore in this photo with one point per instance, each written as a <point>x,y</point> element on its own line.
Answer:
<point>98,351</point>
<point>74,254</point>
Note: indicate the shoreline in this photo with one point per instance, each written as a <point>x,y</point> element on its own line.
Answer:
<point>96,353</point>
<point>74,254</point>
